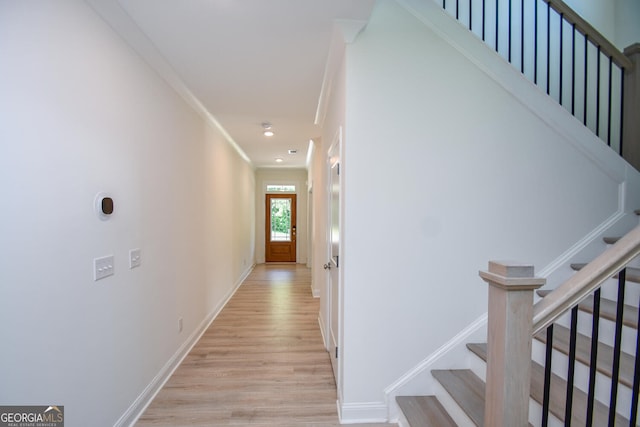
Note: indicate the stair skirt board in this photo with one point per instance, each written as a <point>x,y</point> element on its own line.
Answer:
<point>362,412</point>
<point>419,381</point>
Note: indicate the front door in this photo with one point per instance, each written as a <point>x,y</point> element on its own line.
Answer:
<point>280,226</point>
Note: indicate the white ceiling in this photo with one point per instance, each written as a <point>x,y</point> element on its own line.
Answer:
<point>245,61</point>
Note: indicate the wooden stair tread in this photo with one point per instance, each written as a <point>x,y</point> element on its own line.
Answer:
<point>561,337</point>
<point>610,240</point>
<point>558,395</point>
<point>608,310</point>
<point>424,411</point>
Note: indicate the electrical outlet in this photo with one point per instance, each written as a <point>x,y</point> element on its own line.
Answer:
<point>134,258</point>
<point>180,324</point>
<point>103,267</point>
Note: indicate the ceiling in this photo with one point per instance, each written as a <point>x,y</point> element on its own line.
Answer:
<point>245,62</point>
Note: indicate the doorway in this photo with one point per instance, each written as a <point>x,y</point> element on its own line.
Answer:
<point>334,288</point>
<point>280,228</point>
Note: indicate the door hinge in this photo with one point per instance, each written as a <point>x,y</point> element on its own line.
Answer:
<point>338,166</point>
<point>336,352</point>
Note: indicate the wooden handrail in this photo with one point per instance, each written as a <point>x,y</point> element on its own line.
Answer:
<point>585,281</point>
<point>591,33</point>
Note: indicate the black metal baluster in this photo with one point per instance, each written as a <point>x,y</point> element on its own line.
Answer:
<point>561,59</point>
<point>483,19</point>
<point>444,4</point>
<point>497,11</point>
<point>595,328</point>
<point>633,415</point>
<point>457,9</point>
<point>535,42</point>
<point>548,47</point>
<point>609,102</point>
<point>621,109</point>
<point>522,36</point>
<point>547,377</point>
<point>470,16</point>
<point>573,69</point>
<point>615,370</point>
<point>572,365</point>
<point>509,33</point>
<point>598,94</point>
<point>586,62</point>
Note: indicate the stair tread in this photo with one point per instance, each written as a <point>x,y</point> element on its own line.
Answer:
<point>561,337</point>
<point>466,389</point>
<point>633,273</point>
<point>608,309</point>
<point>558,395</point>
<point>426,411</point>
<point>610,240</point>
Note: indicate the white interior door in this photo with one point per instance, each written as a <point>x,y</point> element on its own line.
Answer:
<point>333,265</point>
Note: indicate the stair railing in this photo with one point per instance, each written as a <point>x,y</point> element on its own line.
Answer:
<point>568,58</point>
<point>513,320</point>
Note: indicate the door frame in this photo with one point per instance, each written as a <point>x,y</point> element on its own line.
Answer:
<point>334,291</point>
<point>267,218</point>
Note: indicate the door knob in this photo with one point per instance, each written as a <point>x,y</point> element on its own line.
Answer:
<point>327,266</point>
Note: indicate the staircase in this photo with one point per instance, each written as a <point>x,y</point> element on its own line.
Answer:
<point>468,390</point>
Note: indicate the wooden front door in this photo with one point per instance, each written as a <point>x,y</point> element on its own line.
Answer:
<point>280,227</point>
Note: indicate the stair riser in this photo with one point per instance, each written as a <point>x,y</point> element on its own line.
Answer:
<point>452,407</point>
<point>535,415</point>
<point>606,330</point>
<point>631,295</point>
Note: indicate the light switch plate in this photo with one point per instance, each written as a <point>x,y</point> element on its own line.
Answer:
<point>134,258</point>
<point>103,267</point>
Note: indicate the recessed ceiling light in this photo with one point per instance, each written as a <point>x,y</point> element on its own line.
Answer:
<point>279,160</point>
<point>267,129</point>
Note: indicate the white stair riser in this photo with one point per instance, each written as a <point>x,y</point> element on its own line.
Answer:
<point>451,406</point>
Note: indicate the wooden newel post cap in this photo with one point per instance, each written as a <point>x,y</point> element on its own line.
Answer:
<point>512,275</point>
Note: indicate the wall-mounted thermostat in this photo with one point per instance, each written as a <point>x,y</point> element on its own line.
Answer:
<point>103,205</point>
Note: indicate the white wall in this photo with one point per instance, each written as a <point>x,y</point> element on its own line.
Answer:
<point>79,114</point>
<point>297,177</point>
<point>626,19</point>
<point>617,20</point>
<point>445,169</point>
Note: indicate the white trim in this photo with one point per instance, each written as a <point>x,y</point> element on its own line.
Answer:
<point>324,337</point>
<point>458,342</point>
<point>594,235</point>
<point>137,408</point>
<point>121,22</point>
<point>362,412</point>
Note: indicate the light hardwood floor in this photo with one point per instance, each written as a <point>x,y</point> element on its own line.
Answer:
<point>260,363</point>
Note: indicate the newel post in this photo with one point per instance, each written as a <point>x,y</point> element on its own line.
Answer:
<point>631,113</point>
<point>509,333</point>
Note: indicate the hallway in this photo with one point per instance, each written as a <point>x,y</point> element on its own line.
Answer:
<point>260,363</point>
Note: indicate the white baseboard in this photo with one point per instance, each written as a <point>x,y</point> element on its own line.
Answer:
<point>145,398</point>
<point>362,412</point>
<point>324,337</point>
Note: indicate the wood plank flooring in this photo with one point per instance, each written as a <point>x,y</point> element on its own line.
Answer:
<point>260,363</point>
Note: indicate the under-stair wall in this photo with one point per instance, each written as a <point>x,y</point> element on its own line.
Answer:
<point>451,158</point>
